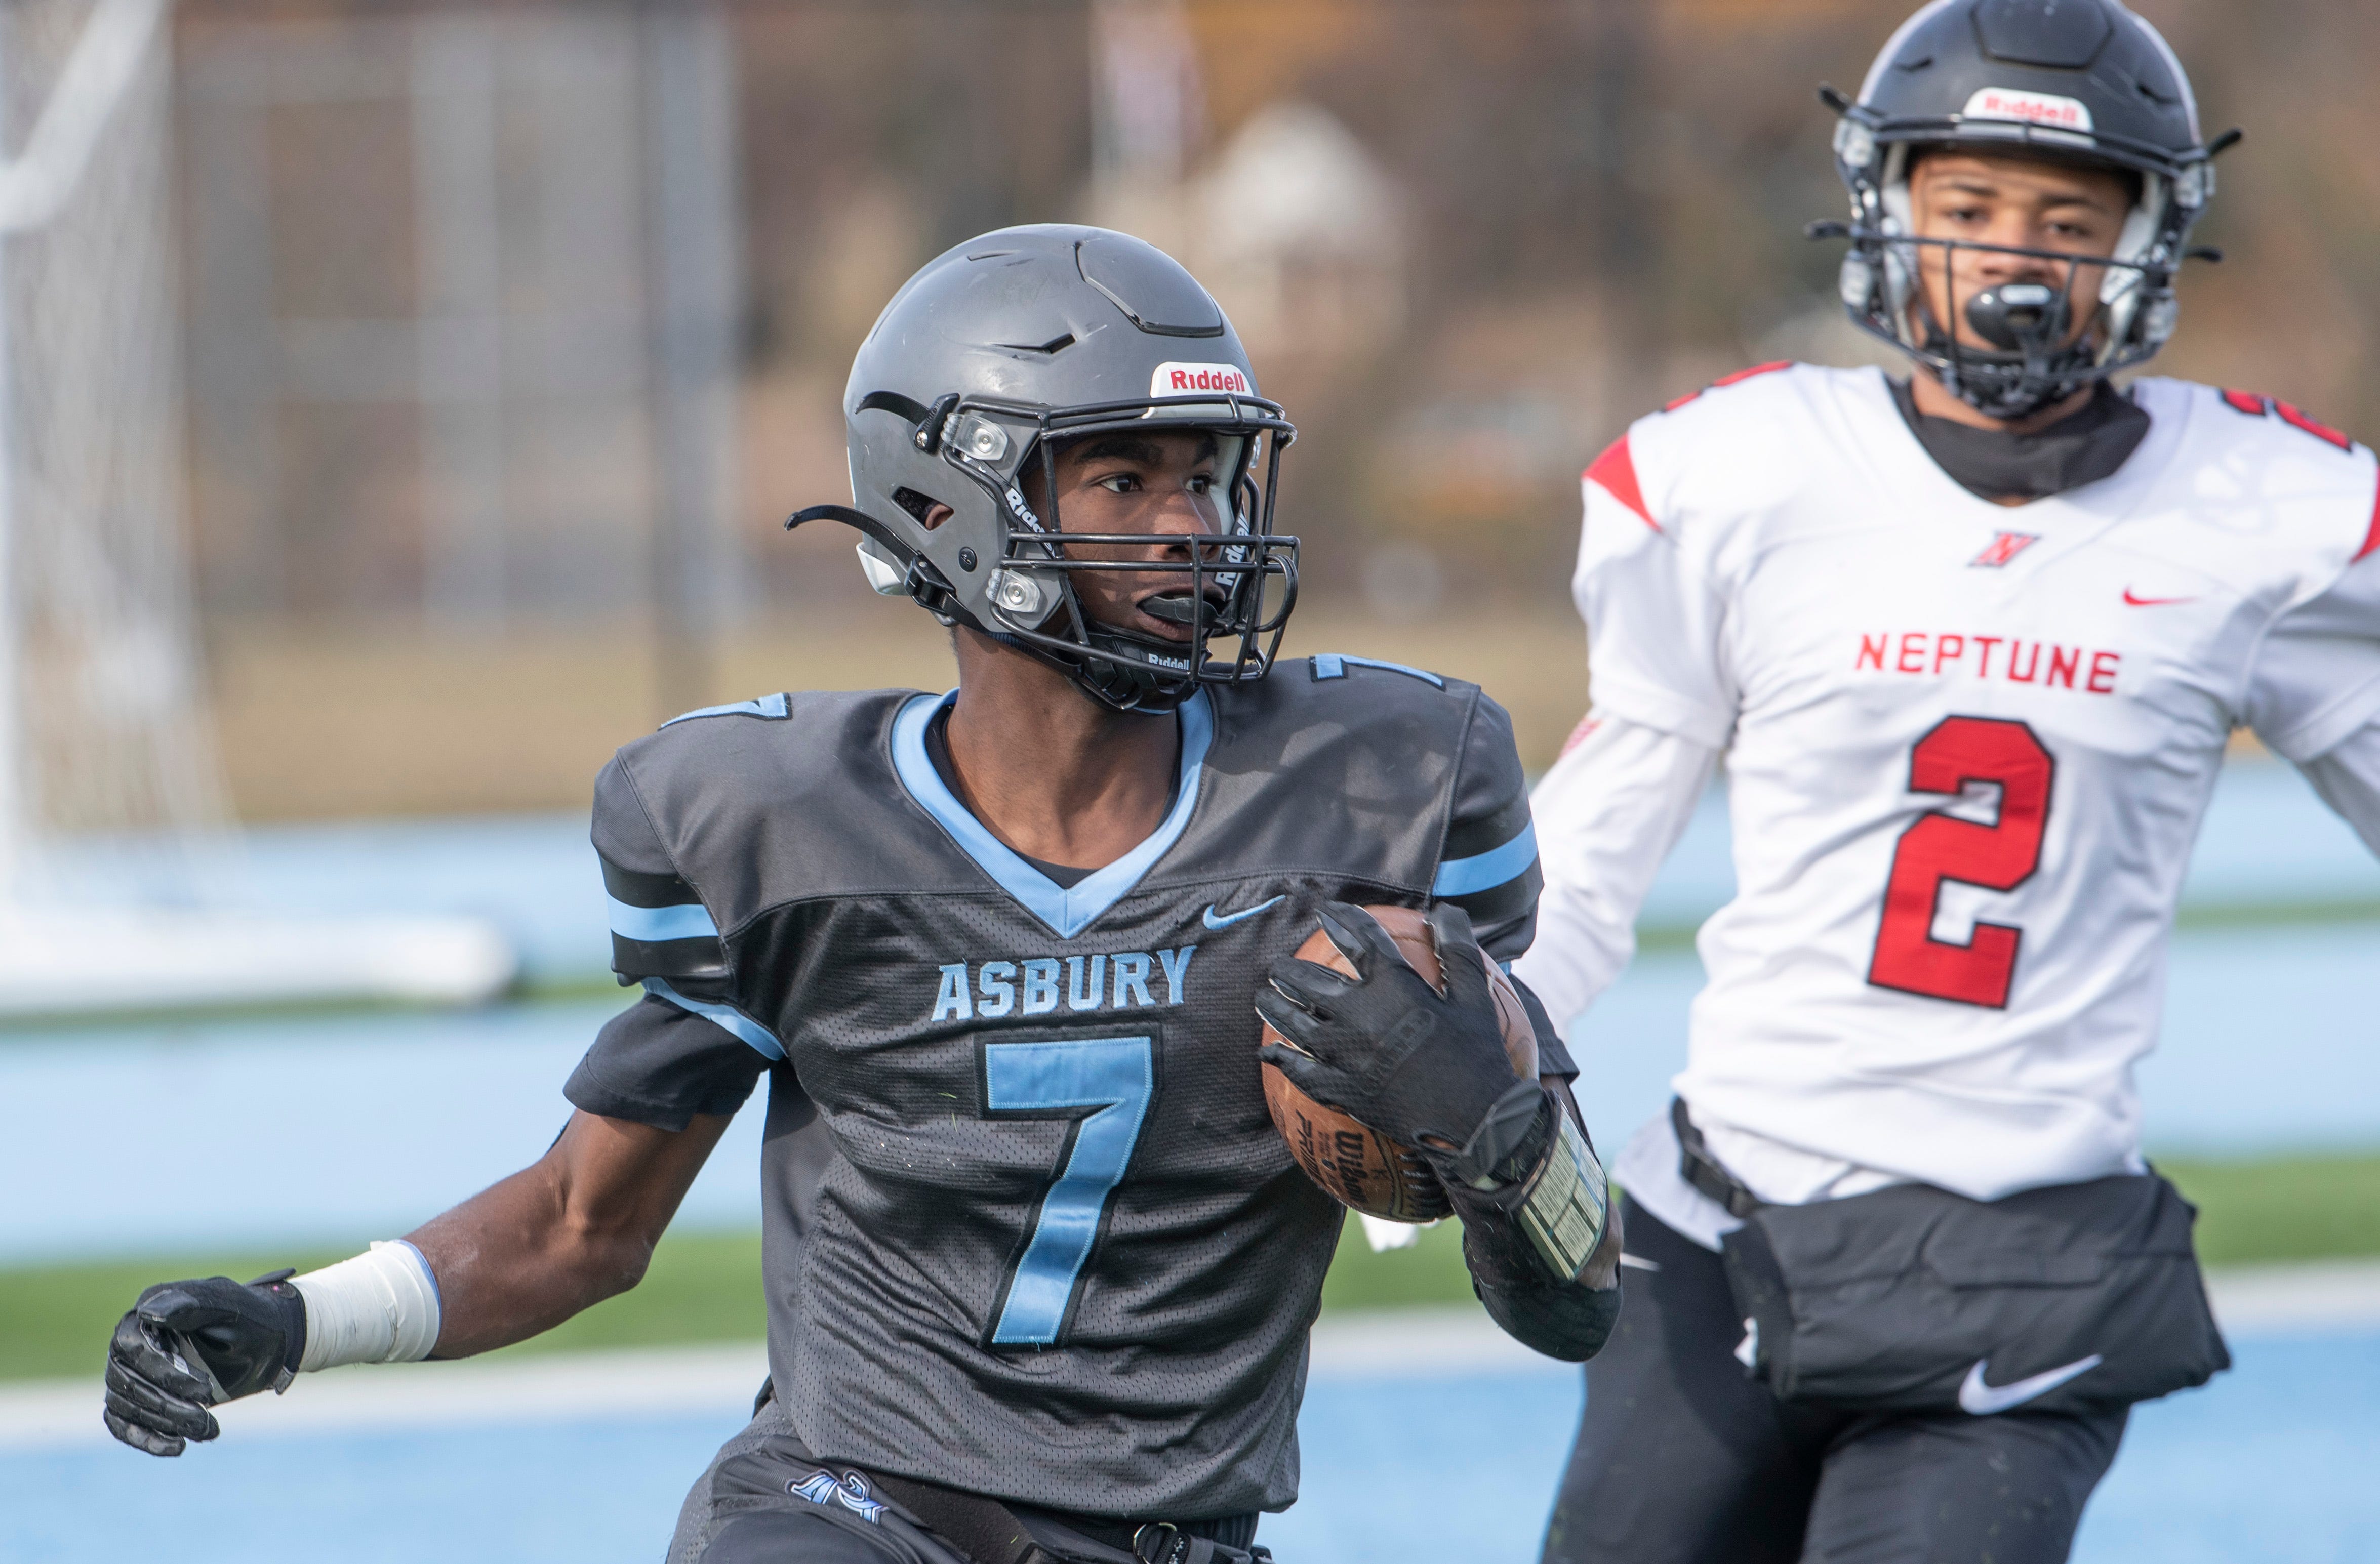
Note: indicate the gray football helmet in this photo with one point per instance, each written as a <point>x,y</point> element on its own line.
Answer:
<point>2085,79</point>
<point>990,360</point>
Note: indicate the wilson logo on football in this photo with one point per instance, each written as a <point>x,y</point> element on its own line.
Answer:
<point>2033,108</point>
<point>1185,380</point>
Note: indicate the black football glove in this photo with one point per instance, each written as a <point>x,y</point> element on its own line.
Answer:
<point>189,1345</point>
<point>1424,1068</point>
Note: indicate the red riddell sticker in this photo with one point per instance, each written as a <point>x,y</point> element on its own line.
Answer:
<point>1189,380</point>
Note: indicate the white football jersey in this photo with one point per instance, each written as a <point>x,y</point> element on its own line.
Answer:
<point>1968,744</point>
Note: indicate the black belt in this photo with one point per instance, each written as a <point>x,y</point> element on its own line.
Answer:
<point>1703,1170</point>
<point>991,1532</point>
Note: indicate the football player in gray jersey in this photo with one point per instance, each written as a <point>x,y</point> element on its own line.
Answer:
<point>1039,1267</point>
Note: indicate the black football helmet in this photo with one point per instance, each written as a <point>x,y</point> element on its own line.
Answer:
<point>2080,79</point>
<point>990,361</point>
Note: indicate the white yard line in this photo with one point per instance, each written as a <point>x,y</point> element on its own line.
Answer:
<point>2325,1295</point>
<point>720,1381</point>
<point>563,1387</point>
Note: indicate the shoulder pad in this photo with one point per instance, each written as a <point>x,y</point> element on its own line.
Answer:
<point>1332,665</point>
<point>1725,381</point>
<point>775,708</point>
<point>2256,405</point>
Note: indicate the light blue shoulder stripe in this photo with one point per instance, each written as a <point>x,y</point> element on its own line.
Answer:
<point>770,705</point>
<point>1465,876</point>
<point>1332,665</point>
<point>1067,910</point>
<point>651,925</point>
<point>727,1017</point>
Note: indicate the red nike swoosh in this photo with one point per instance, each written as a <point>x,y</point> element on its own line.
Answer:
<point>2152,602</point>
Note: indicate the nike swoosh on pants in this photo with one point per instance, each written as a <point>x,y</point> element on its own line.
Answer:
<point>1982,1400</point>
<point>1229,918</point>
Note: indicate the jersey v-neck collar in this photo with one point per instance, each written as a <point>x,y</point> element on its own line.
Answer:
<point>1068,910</point>
<point>2063,522</point>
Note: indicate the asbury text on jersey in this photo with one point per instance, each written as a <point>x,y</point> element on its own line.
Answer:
<point>1968,744</point>
<point>1059,1254</point>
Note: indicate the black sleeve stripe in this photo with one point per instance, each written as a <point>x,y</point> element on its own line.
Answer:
<point>701,960</point>
<point>1508,900</point>
<point>639,889</point>
<point>1475,836</point>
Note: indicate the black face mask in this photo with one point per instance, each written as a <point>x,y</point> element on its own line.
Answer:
<point>2084,447</point>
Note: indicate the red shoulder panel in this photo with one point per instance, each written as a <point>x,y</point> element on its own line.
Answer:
<point>1769,368</point>
<point>2257,405</point>
<point>1616,471</point>
<point>1731,380</point>
<point>2314,427</point>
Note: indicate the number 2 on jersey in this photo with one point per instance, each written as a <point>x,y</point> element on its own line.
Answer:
<point>2000,856</point>
<point>1114,1076</point>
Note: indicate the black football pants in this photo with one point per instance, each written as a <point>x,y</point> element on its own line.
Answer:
<point>1680,1459</point>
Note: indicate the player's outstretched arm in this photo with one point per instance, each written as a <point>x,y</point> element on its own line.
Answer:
<point>574,1229</point>
<point>1607,815</point>
<point>1429,1070</point>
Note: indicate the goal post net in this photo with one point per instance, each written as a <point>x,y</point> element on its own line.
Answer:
<point>103,726</point>
<point>105,741</point>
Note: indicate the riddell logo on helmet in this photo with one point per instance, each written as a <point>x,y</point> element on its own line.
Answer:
<point>2033,108</point>
<point>1181,380</point>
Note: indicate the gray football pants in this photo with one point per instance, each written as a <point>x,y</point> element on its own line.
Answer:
<point>751,1508</point>
<point>1683,1459</point>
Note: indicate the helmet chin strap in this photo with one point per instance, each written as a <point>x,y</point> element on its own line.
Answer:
<point>2030,364</point>
<point>1121,680</point>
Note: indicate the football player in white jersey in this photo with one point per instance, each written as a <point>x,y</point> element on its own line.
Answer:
<point>1971,645</point>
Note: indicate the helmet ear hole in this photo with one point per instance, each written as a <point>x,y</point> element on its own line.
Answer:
<point>921,506</point>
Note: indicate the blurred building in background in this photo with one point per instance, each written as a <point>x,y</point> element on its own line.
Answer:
<point>497,340</point>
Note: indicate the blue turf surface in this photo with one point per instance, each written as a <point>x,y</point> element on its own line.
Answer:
<point>2271,1463</point>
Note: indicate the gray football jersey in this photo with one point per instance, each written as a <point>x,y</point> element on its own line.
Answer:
<point>1029,1230</point>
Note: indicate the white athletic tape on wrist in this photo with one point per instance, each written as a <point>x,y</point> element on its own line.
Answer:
<point>381,1306</point>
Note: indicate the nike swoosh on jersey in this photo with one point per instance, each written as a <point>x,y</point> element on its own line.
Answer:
<point>1982,1400</point>
<point>1229,918</point>
<point>2133,602</point>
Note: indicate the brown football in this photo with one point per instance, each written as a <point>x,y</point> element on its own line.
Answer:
<point>1355,1164</point>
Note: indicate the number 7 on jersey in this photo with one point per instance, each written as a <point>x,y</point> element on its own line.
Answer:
<point>2000,856</point>
<point>1115,1077</point>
